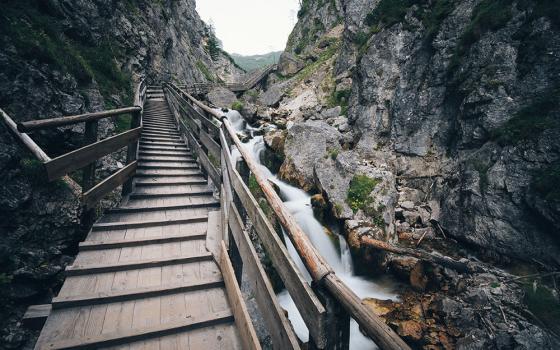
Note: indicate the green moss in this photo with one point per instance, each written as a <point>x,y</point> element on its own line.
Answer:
<point>340,98</point>
<point>238,106</point>
<point>530,121</point>
<point>205,71</point>
<point>358,197</point>
<point>327,54</point>
<point>545,182</point>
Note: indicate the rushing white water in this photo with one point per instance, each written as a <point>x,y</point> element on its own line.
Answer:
<point>338,255</point>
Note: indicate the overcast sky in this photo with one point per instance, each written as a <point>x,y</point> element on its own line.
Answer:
<point>250,27</point>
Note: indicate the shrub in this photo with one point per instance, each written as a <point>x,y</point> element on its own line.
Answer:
<point>358,197</point>
<point>238,106</point>
<point>205,71</point>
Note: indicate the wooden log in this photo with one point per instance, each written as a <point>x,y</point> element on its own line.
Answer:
<point>278,326</point>
<point>24,139</point>
<point>70,120</point>
<point>79,158</point>
<point>310,307</point>
<point>242,318</point>
<point>433,258</point>
<point>373,326</point>
<point>314,262</point>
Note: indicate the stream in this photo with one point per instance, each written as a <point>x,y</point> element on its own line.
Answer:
<point>338,255</point>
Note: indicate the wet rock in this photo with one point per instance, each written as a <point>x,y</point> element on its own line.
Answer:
<point>410,330</point>
<point>418,276</point>
<point>402,266</point>
<point>320,206</point>
<point>275,140</point>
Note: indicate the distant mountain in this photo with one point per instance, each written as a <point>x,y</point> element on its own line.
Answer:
<point>256,61</point>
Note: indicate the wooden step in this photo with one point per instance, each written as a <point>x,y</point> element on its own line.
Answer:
<point>175,194</point>
<point>168,154</point>
<point>165,148</point>
<point>137,293</point>
<point>136,224</point>
<point>144,165</point>
<point>122,243</point>
<point>162,143</point>
<point>165,158</point>
<point>80,270</point>
<point>129,209</point>
<point>128,336</point>
<point>172,183</point>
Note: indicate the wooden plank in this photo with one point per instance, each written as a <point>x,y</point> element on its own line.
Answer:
<point>74,119</point>
<point>94,195</point>
<point>148,223</point>
<point>310,307</point>
<point>278,326</point>
<point>36,316</point>
<point>210,169</point>
<point>133,335</point>
<point>242,318</point>
<point>213,235</point>
<point>212,146</point>
<point>136,293</point>
<point>122,243</point>
<point>132,152</point>
<point>78,270</point>
<point>81,157</point>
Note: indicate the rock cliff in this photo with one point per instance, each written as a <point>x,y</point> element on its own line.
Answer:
<point>458,100</point>
<point>62,57</point>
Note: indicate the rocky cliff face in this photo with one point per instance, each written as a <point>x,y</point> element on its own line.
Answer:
<point>59,58</point>
<point>458,100</point>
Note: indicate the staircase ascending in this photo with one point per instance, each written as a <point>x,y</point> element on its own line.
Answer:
<point>144,278</point>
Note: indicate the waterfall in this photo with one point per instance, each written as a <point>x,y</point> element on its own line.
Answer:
<point>338,256</point>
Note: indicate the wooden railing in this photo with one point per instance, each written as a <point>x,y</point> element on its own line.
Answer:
<point>328,304</point>
<point>86,157</point>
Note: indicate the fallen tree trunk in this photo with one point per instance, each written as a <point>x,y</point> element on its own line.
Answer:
<point>430,257</point>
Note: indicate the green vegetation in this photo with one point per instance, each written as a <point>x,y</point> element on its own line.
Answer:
<point>252,62</point>
<point>488,15</point>
<point>38,36</point>
<point>215,161</point>
<point>542,303</point>
<point>205,71</point>
<point>122,123</point>
<point>213,45</point>
<point>529,122</point>
<point>257,192</point>
<point>358,197</point>
<point>340,98</point>
<point>327,54</point>
<point>545,182</point>
<point>389,12</point>
<point>482,168</point>
<point>238,106</point>
<point>332,153</point>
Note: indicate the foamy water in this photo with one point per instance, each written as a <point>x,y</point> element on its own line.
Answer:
<point>338,256</point>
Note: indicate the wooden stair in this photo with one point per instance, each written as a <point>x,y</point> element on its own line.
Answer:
<point>144,278</point>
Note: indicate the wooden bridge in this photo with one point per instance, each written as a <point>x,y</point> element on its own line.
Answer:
<point>247,82</point>
<point>162,270</point>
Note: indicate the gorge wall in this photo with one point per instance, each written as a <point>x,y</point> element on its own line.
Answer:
<point>60,58</point>
<point>451,107</point>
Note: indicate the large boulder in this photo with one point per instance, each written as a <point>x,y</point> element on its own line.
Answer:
<point>318,139</point>
<point>221,97</point>
<point>290,64</point>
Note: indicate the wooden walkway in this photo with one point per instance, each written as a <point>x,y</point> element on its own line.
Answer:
<point>144,278</point>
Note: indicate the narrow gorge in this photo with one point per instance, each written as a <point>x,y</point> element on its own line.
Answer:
<point>413,142</point>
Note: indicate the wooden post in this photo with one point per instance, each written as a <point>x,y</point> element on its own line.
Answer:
<point>132,152</point>
<point>337,325</point>
<point>88,176</point>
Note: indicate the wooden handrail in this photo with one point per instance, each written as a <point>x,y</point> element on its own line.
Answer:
<point>317,267</point>
<point>24,138</point>
<point>74,119</point>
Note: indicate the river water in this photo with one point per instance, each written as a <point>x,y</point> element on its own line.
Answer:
<point>338,255</point>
